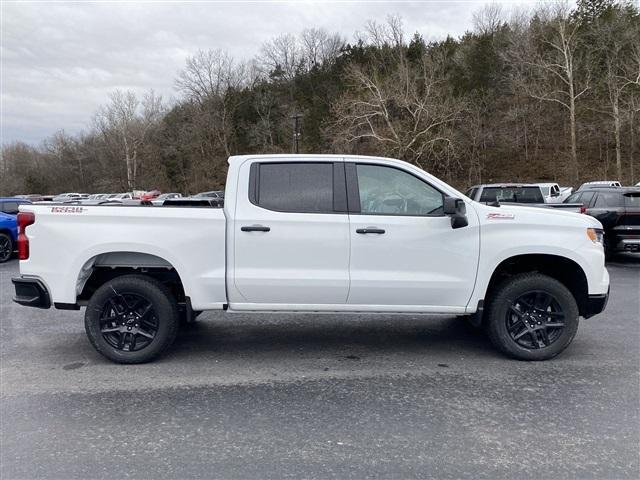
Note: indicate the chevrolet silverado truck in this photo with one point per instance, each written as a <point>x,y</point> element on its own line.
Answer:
<point>315,233</point>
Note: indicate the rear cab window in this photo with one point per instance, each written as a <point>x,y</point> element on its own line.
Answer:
<point>512,194</point>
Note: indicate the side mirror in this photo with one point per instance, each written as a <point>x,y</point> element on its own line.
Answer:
<point>457,210</point>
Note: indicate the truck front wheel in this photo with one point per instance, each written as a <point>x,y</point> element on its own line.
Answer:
<point>532,317</point>
<point>131,319</point>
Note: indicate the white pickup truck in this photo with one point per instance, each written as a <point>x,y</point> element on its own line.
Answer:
<point>315,233</point>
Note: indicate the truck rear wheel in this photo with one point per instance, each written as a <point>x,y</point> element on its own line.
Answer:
<point>131,319</point>
<point>6,247</point>
<point>532,317</point>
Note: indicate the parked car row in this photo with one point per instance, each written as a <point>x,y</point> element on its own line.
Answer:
<point>615,206</point>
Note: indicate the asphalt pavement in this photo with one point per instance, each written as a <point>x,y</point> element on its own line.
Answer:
<point>321,396</point>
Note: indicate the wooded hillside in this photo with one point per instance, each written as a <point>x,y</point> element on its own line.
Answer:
<point>551,94</point>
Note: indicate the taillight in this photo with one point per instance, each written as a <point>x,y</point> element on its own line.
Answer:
<point>583,209</point>
<point>24,220</point>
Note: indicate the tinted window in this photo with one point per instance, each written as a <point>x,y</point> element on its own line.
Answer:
<point>608,199</point>
<point>471,193</point>
<point>512,194</point>
<point>10,207</point>
<point>389,191</point>
<point>587,197</point>
<point>575,198</point>
<point>296,187</point>
<point>632,200</point>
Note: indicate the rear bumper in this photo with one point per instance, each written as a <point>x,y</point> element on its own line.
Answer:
<point>595,304</point>
<point>31,292</point>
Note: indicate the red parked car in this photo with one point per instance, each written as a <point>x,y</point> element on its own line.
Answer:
<point>150,195</point>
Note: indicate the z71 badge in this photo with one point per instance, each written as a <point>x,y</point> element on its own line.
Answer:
<point>67,209</point>
<point>500,216</point>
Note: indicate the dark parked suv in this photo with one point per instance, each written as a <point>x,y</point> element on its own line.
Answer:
<point>618,209</point>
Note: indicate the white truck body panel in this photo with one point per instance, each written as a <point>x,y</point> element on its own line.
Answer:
<point>307,262</point>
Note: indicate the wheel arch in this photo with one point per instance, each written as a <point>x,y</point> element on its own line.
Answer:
<point>565,270</point>
<point>105,266</point>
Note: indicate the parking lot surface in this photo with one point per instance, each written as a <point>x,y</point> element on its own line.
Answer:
<point>325,396</point>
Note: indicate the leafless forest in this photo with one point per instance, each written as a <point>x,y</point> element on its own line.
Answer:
<point>550,94</point>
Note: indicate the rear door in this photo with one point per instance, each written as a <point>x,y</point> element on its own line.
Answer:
<point>606,207</point>
<point>291,232</point>
<point>404,251</point>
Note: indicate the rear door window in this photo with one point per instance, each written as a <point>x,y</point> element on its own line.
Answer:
<point>608,199</point>
<point>302,187</point>
<point>632,200</point>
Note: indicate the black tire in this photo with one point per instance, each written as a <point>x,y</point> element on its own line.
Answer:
<point>526,328</point>
<point>6,247</point>
<point>132,319</point>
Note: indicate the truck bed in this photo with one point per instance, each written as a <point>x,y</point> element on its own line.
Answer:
<point>66,239</point>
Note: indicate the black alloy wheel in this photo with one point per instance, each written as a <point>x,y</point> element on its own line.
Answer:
<point>128,322</point>
<point>535,320</point>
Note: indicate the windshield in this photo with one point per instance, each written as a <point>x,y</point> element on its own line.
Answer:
<point>512,194</point>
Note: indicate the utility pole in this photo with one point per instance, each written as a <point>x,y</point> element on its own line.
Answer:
<point>296,133</point>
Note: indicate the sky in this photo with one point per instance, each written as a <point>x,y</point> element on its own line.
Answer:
<point>60,60</point>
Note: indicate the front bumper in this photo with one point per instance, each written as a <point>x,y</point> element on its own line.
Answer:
<point>31,292</point>
<point>595,304</point>
<point>628,245</point>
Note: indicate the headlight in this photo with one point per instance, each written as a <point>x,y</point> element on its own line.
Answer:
<point>596,235</point>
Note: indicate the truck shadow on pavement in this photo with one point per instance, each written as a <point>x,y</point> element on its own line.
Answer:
<point>350,336</point>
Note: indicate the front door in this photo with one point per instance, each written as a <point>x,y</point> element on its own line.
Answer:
<point>403,248</point>
<point>291,244</point>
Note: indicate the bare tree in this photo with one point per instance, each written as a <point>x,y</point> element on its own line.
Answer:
<point>210,73</point>
<point>281,54</point>
<point>125,123</point>
<point>406,112</point>
<point>318,47</point>
<point>488,19</point>
<point>552,72</point>
<point>619,53</point>
<point>209,79</point>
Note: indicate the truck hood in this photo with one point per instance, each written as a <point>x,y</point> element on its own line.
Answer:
<point>547,217</point>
